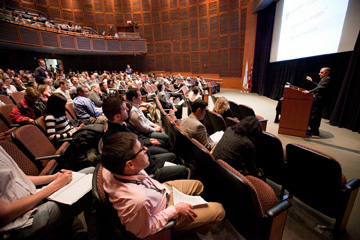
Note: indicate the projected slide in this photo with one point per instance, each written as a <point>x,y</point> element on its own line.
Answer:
<point>310,27</point>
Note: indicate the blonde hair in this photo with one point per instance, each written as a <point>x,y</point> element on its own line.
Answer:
<point>221,105</point>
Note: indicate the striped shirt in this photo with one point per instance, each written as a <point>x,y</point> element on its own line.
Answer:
<point>58,128</point>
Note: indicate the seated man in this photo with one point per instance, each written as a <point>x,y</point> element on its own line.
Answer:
<point>25,213</point>
<point>138,118</point>
<point>64,90</point>
<point>194,128</point>
<point>142,203</point>
<point>167,102</point>
<point>85,108</point>
<point>95,94</point>
<point>25,111</point>
<point>116,111</point>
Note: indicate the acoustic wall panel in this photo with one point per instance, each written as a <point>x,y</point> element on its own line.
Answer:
<point>186,62</point>
<point>165,16</point>
<point>214,62</point>
<point>185,46</point>
<point>126,46</point>
<point>175,47</point>
<point>184,30</point>
<point>168,63</point>
<point>194,29</point>
<point>213,8</point>
<point>145,5</point>
<point>113,45</point>
<point>150,61</point>
<point>83,43</point>
<point>234,22</point>
<point>29,36</point>
<point>150,48</point>
<point>235,63</point>
<point>159,62</point>
<point>203,10</point>
<point>194,45</point>
<point>136,6</point>
<point>195,63</point>
<point>49,39</point>
<point>204,62</point>
<point>203,28</point>
<point>166,36</point>
<point>77,4</point>
<point>158,48</point>
<point>8,32</point>
<point>224,63</point>
<point>177,63</point>
<point>140,46</point>
<point>204,44</point>
<point>157,32</point>
<point>67,42</point>
<point>167,47</point>
<point>175,31</point>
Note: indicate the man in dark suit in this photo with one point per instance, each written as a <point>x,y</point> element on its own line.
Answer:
<point>41,72</point>
<point>320,92</point>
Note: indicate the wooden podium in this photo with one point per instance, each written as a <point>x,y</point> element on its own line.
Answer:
<point>295,111</point>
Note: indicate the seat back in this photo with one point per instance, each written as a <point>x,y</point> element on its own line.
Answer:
<point>314,178</point>
<point>40,123</point>
<point>235,109</point>
<point>5,99</point>
<point>245,111</point>
<point>5,112</point>
<point>213,99</point>
<point>217,121</point>
<point>231,121</point>
<point>33,142</point>
<point>3,126</point>
<point>182,146</point>
<point>208,124</point>
<point>25,164</point>
<point>245,199</point>
<point>70,109</point>
<point>16,96</point>
<point>270,157</point>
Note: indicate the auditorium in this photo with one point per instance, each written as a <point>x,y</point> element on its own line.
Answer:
<point>179,119</point>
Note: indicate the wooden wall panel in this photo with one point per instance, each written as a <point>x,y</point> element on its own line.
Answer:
<point>139,46</point>
<point>49,39</point>
<point>77,4</point>
<point>8,32</point>
<point>113,45</point>
<point>84,43</point>
<point>203,36</point>
<point>29,36</point>
<point>177,63</point>
<point>204,62</point>
<point>214,62</point>
<point>67,42</point>
<point>159,62</point>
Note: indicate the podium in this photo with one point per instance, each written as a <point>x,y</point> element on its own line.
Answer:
<point>295,111</point>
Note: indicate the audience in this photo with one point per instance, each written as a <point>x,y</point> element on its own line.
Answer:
<point>194,94</point>
<point>95,94</point>
<point>167,102</point>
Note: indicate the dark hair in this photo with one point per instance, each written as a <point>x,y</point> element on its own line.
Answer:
<point>117,150</point>
<point>31,83</point>
<point>112,106</point>
<point>131,93</point>
<point>55,105</point>
<point>159,86</point>
<point>196,90</point>
<point>62,82</point>
<point>249,126</point>
<point>198,103</point>
<point>129,106</point>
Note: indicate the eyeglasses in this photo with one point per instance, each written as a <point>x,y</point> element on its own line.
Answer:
<point>134,156</point>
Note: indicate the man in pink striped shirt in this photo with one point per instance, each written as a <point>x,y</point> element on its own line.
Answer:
<point>142,203</point>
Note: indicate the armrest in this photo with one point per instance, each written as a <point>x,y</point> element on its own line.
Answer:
<point>278,209</point>
<point>48,157</point>
<point>66,140</point>
<point>14,125</point>
<point>170,224</point>
<point>353,184</point>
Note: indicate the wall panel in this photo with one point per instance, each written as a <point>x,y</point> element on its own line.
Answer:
<point>203,36</point>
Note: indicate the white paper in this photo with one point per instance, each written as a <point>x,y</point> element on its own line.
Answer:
<point>195,201</point>
<point>217,136</point>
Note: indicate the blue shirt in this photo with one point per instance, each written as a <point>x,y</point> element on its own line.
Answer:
<point>85,108</point>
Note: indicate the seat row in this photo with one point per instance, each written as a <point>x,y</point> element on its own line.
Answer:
<point>313,177</point>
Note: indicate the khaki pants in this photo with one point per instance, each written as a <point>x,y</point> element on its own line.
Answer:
<point>206,216</point>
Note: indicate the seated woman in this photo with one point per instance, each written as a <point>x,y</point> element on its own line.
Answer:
<point>57,124</point>
<point>237,146</point>
<point>222,107</point>
<point>194,94</point>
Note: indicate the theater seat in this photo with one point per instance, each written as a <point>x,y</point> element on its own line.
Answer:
<point>250,204</point>
<point>317,180</point>
<point>217,121</point>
